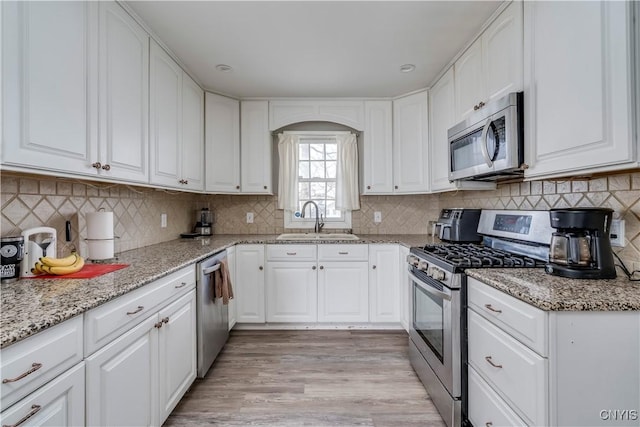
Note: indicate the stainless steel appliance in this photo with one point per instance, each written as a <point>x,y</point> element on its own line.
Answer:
<point>38,242</point>
<point>11,253</point>
<point>437,334</point>
<point>212,314</point>
<point>580,246</point>
<point>458,225</point>
<point>204,222</point>
<point>488,145</point>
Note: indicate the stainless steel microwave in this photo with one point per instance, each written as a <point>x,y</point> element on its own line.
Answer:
<point>488,145</point>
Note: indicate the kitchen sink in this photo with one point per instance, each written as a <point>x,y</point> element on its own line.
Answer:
<point>317,236</point>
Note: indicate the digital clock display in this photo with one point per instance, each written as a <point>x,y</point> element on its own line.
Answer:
<point>520,224</point>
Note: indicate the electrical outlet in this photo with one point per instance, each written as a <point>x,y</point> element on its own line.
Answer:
<point>163,220</point>
<point>249,217</point>
<point>377,217</point>
<point>617,232</point>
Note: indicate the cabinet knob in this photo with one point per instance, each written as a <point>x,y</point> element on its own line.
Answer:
<point>261,268</point>
<point>321,267</point>
<point>475,108</point>
<point>106,167</point>
<point>313,268</point>
<point>237,187</point>
<point>480,105</point>
<point>165,320</point>
<point>374,267</point>
<point>96,165</point>
<point>368,187</point>
<point>265,187</point>
<point>396,187</point>
<point>186,181</point>
<point>158,325</point>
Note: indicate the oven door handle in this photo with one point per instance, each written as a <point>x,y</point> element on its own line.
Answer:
<point>427,288</point>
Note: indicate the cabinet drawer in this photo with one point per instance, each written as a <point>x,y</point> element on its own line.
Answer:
<point>291,252</point>
<point>513,370</point>
<point>486,408</point>
<point>103,324</point>
<point>58,403</point>
<point>523,321</point>
<point>41,357</point>
<point>340,252</point>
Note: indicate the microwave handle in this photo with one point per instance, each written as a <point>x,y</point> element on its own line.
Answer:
<point>483,145</point>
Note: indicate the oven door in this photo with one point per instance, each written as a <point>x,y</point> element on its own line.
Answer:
<point>488,147</point>
<point>435,328</point>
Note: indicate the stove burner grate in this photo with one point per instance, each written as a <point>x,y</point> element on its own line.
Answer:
<point>476,256</point>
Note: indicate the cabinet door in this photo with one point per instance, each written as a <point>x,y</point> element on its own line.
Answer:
<point>231,262</point>
<point>256,147</point>
<point>291,292</point>
<point>577,87</point>
<point>165,129</point>
<point>124,95</point>
<point>222,144</point>
<point>343,292</point>
<point>405,288</point>
<point>441,117</point>
<point>502,49</point>
<point>122,379</point>
<point>384,289</point>
<point>49,85</point>
<point>192,150</point>
<point>469,81</point>
<point>177,352</point>
<point>410,144</point>
<point>377,147</point>
<point>249,288</point>
<point>58,403</point>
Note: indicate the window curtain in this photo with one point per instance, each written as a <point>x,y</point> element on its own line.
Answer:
<point>288,172</point>
<point>347,196</point>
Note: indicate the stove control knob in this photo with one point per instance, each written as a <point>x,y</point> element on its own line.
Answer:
<point>413,260</point>
<point>437,274</point>
<point>423,265</point>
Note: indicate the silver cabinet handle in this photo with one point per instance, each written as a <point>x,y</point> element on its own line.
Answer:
<point>34,367</point>
<point>181,285</point>
<point>291,253</point>
<point>343,253</point>
<point>137,310</point>
<point>489,307</point>
<point>488,359</point>
<point>34,410</point>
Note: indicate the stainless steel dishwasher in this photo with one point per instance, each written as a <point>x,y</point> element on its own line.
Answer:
<point>213,316</point>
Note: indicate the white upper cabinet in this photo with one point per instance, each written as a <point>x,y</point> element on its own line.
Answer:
<point>50,85</point>
<point>492,66</point>
<point>441,117</point>
<point>175,108</point>
<point>222,144</point>
<point>256,148</point>
<point>377,148</point>
<point>577,88</point>
<point>410,144</point>
<point>286,112</point>
<point>124,95</point>
<point>192,134</point>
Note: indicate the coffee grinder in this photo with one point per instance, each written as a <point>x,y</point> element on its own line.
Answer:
<point>204,222</point>
<point>580,246</point>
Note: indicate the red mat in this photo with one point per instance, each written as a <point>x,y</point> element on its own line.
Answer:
<point>88,271</point>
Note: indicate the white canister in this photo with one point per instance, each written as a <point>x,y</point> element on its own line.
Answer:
<point>100,249</point>
<point>99,225</point>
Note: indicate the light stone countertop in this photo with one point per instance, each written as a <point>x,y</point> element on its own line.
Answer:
<point>32,305</point>
<point>554,293</point>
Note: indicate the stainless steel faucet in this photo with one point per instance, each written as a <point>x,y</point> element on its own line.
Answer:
<point>319,223</point>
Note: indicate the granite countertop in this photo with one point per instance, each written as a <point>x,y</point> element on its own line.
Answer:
<point>553,293</point>
<point>32,305</point>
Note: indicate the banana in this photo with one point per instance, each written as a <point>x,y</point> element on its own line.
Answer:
<point>38,268</point>
<point>60,262</point>
<point>60,271</point>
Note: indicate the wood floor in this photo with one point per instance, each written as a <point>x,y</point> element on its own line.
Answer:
<point>309,378</point>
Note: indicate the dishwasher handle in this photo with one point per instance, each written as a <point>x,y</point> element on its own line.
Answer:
<point>211,269</point>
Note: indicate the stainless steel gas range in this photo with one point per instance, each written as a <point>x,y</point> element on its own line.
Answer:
<point>437,335</point>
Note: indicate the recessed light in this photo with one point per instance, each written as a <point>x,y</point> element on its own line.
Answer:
<point>224,68</point>
<point>407,68</point>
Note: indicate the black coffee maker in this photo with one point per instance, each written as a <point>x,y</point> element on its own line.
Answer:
<point>580,246</point>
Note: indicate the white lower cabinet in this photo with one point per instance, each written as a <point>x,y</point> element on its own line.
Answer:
<point>343,291</point>
<point>249,290</point>
<point>384,289</point>
<point>58,403</point>
<point>140,377</point>
<point>291,291</point>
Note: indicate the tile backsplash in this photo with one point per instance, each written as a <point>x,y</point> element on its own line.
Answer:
<point>29,201</point>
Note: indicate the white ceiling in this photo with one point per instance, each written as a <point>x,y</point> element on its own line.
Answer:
<point>314,48</point>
